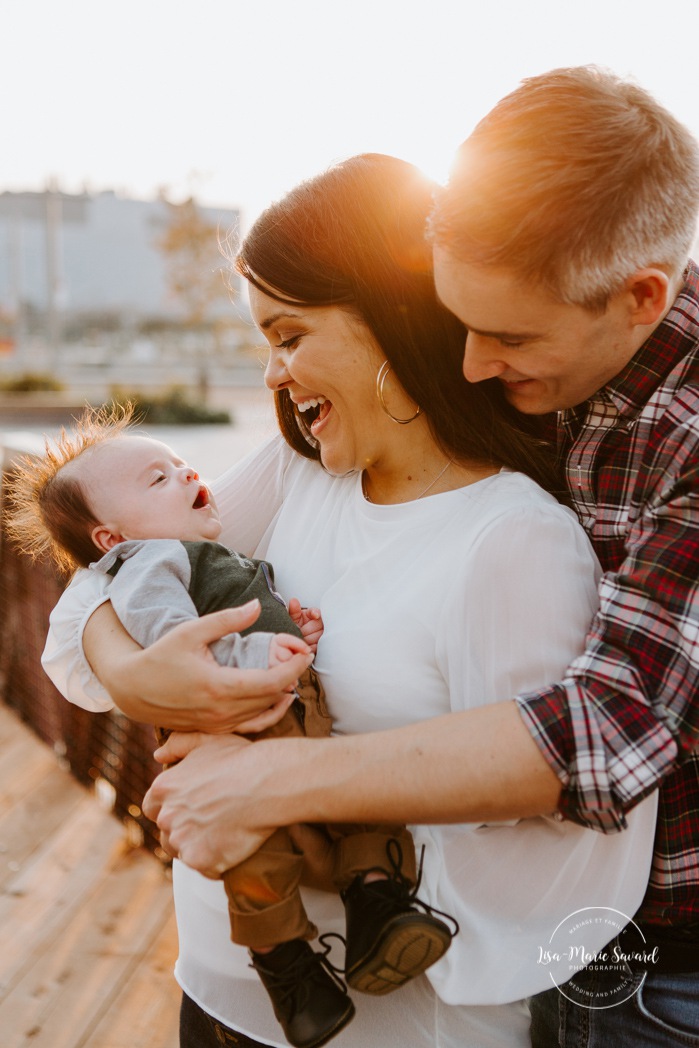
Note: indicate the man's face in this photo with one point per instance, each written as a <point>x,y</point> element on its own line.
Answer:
<point>548,355</point>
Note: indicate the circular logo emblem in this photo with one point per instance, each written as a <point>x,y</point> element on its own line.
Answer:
<point>597,957</point>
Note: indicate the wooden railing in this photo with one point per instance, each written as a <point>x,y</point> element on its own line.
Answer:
<point>105,751</point>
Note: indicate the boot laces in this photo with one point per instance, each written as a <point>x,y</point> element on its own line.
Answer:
<point>394,853</point>
<point>286,982</point>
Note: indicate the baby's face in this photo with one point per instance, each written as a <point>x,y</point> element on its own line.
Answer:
<point>139,489</point>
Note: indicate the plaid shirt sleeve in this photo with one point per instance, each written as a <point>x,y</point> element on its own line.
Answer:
<point>626,713</point>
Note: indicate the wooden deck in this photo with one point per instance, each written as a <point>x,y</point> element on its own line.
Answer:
<point>87,927</point>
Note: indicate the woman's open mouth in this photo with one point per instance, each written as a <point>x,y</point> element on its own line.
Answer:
<point>314,412</point>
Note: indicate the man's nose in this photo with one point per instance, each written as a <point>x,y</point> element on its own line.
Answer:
<point>481,360</point>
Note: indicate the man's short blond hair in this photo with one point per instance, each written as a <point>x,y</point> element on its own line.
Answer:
<point>47,507</point>
<point>575,180</point>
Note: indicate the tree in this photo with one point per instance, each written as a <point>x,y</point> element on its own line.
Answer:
<point>190,243</point>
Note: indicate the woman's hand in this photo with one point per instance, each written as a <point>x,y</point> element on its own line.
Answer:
<point>195,803</point>
<point>177,681</point>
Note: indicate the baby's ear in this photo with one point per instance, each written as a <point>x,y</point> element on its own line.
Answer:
<point>105,538</point>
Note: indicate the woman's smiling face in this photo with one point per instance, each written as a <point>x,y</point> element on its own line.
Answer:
<point>328,360</point>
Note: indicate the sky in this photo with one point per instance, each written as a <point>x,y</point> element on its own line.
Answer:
<point>236,101</point>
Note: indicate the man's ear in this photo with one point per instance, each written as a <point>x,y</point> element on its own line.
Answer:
<point>105,538</point>
<point>651,293</point>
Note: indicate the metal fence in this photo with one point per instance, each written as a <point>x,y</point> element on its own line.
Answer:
<point>105,751</point>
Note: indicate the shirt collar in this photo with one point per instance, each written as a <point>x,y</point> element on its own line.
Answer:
<point>659,354</point>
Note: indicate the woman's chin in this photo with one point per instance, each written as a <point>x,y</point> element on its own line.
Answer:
<point>337,465</point>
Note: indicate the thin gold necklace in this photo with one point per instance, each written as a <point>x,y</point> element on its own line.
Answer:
<point>422,493</point>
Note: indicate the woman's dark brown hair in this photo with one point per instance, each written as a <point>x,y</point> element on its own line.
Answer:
<point>354,237</point>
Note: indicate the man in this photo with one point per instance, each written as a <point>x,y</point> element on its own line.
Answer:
<point>562,243</point>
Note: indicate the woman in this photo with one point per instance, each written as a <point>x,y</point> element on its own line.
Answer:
<point>443,575</point>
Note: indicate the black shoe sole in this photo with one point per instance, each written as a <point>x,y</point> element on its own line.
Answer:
<point>407,947</point>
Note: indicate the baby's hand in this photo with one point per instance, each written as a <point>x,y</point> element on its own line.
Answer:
<point>283,647</point>
<point>309,621</point>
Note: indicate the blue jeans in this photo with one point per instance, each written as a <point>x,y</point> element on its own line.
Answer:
<point>199,1030</point>
<point>662,1013</point>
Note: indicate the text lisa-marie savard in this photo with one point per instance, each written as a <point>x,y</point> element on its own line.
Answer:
<point>616,955</point>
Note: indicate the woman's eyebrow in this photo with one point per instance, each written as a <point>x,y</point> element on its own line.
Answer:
<point>274,318</point>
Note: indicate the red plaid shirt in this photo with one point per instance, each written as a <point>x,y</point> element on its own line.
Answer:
<point>625,719</point>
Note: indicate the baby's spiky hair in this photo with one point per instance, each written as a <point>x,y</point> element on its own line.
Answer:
<point>48,512</point>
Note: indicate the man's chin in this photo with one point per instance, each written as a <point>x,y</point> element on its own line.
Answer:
<point>521,395</point>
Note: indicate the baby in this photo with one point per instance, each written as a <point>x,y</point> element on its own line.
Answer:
<point>126,505</point>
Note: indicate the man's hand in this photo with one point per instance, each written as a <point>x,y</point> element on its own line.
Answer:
<point>196,805</point>
<point>227,795</point>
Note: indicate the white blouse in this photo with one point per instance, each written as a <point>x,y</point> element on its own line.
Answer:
<point>446,603</point>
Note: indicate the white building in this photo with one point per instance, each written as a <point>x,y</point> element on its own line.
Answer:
<point>88,254</point>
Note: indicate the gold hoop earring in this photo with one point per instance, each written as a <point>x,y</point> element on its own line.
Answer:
<point>380,380</point>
